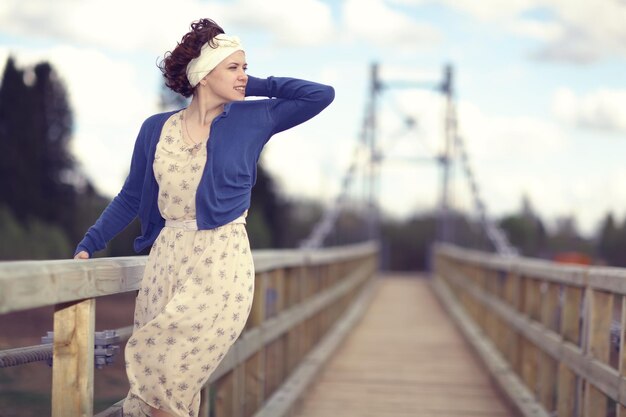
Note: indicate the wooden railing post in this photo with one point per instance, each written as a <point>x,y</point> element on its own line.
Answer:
<point>621,410</point>
<point>73,359</point>
<point>514,339</point>
<point>292,289</point>
<point>255,371</point>
<point>548,367</point>
<point>567,402</point>
<point>530,352</point>
<point>599,326</point>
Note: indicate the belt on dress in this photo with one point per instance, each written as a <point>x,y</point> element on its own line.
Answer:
<point>193,225</point>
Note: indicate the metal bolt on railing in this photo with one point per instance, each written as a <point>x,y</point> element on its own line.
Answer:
<point>105,348</point>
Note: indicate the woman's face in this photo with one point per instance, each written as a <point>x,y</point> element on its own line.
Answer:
<point>228,79</point>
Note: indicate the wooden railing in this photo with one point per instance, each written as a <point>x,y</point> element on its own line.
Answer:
<point>304,302</point>
<point>551,334</point>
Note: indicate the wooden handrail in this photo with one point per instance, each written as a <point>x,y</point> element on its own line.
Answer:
<point>556,326</point>
<point>309,290</point>
<point>31,284</point>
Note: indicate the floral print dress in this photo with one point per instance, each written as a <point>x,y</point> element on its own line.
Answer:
<point>196,291</point>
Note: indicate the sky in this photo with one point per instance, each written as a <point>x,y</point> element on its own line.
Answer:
<point>539,92</point>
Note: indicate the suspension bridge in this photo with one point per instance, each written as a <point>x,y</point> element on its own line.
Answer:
<point>330,334</point>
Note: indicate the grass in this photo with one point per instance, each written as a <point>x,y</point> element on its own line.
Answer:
<point>29,404</point>
<point>24,404</point>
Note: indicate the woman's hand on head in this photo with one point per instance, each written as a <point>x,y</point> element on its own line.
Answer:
<point>81,255</point>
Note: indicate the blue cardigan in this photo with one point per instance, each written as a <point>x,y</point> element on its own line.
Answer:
<point>236,140</point>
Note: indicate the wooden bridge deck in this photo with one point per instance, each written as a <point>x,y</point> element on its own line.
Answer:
<point>405,358</point>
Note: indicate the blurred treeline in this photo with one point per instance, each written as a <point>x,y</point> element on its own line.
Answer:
<point>43,196</point>
<point>47,202</point>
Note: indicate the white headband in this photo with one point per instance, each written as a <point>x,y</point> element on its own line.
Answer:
<point>210,57</point>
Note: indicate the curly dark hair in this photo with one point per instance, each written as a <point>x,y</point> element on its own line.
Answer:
<point>174,63</point>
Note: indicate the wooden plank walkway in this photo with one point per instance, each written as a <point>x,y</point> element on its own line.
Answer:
<point>405,358</point>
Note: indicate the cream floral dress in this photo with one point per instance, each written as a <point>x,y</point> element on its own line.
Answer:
<point>195,295</point>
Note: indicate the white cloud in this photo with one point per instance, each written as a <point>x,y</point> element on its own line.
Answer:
<point>4,55</point>
<point>575,45</point>
<point>614,187</point>
<point>305,165</point>
<point>403,74</point>
<point>483,9</point>
<point>375,22</point>
<point>402,140</point>
<point>600,109</point>
<point>492,9</point>
<point>558,196</point>
<point>572,31</point>
<point>497,138</point>
<point>125,26</point>
<point>579,32</point>
<point>540,30</point>
<point>301,23</point>
<point>111,24</point>
<point>510,156</point>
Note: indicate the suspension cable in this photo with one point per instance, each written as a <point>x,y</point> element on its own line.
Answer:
<point>495,234</point>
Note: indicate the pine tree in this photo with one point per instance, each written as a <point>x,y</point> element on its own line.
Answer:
<point>35,131</point>
<point>53,119</point>
<point>16,188</point>
<point>268,212</point>
<point>525,230</point>
<point>611,241</point>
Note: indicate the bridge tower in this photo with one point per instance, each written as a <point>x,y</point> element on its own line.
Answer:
<point>445,224</point>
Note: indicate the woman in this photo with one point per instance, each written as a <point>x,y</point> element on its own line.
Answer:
<point>190,180</point>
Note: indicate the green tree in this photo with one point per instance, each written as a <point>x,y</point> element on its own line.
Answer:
<point>406,244</point>
<point>302,215</point>
<point>53,119</point>
<point>268,213</point>
<point>16,145</point>
<point>30,239</point>
<point>566,238</point>
<point>612,241</point>
<point>35,131</point>
<point>608,237</point>
<point>526,230</point>
<point>40,185</point>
